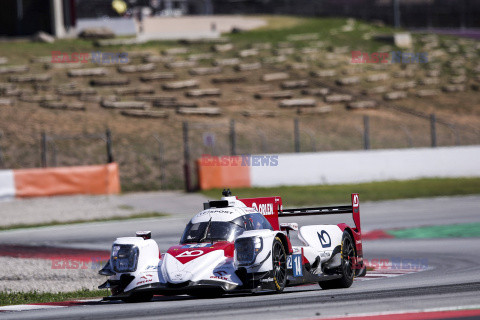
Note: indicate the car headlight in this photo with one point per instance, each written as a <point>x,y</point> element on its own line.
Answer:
<point>124,257</point>
<point>247,249</point>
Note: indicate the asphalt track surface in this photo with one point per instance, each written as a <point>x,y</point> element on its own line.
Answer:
<point>451,280</point>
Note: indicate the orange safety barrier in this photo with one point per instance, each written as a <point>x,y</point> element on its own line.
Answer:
<point>216,172</point>
<point>100,179</point>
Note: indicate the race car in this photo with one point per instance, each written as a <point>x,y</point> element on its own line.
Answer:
<point>239,245</point>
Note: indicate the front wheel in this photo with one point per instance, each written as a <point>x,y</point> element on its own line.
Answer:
<point>279,261</point>
<point>346,268</point>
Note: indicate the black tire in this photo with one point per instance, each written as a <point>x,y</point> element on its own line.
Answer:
<point>346,268</point>
<point>279,262</point>
<point>139,297</point>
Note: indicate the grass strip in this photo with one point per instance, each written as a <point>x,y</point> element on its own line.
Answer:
<point>278,28</point>
<point>373,191</point>
<point>61,223</point>
<point>465,230</point>
<point>13,298</point>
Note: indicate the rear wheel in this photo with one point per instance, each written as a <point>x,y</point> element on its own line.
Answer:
<point>346,268</point>
<point>279,261</point>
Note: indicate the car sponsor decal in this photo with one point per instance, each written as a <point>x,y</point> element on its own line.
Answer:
<point>151,268</point>
<point>197,245</point>
<point>194,253</point>
<point>147,278</point>
<point>295,262</point>
<point>178,276</point>
<point>219,278</point>
<point>221,275</point>
<point>325,239</point>
<point>264,208</point>
<point>355,201</point>
<point>185,253</point>
<point>210,211</point>
<point>297,265</point>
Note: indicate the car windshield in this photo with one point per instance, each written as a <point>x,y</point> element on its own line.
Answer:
<point>211,231</point>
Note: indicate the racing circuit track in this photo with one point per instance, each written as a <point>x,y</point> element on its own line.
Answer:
<point>451,280</point>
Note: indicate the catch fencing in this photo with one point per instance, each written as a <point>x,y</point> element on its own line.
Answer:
<point>152,161</point>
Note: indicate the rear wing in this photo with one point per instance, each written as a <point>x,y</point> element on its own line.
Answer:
<point>272,209</point>
<point>354,209</point>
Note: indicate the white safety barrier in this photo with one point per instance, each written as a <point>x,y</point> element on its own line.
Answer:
<point>367,166</point>
<point>7,184</point>
<point>45,182</point>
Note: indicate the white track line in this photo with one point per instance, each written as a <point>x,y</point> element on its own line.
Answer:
<point>386,273</point>
<point>52,305</point>
<point>401,312</point>
<point>371,275</point>
<point>25,307</point>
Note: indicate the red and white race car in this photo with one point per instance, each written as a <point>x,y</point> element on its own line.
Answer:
<point>239,245</point>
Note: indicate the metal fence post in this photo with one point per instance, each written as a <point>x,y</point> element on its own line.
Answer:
<point>186,158</point>
<point>366,132</point>
<point>108,136</point>
<point>2,161</point>
<point>396,13</point>
<point>263,140</point>
<point>296,134</point>
<point>53,147</point>
<point>43,147</point>
<point>161,161</point>
<point>233,139</point>
<point>162,166</point>
<point>433,129</point>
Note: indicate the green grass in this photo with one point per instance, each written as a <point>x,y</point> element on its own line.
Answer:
<point>58,223</point>
<point>280,27</point>
<point>465,230</point>
<point>12,298</point>
<point>374,191</point>
<point>279,21</point>
<point>18,51</point>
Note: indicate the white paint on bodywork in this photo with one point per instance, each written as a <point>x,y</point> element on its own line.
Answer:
<point>201,268</point>
<point>148,259</point>
<point>220,214</point>
<point>263,262</point>
<point>194,270</point>
<point>310,235</point>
